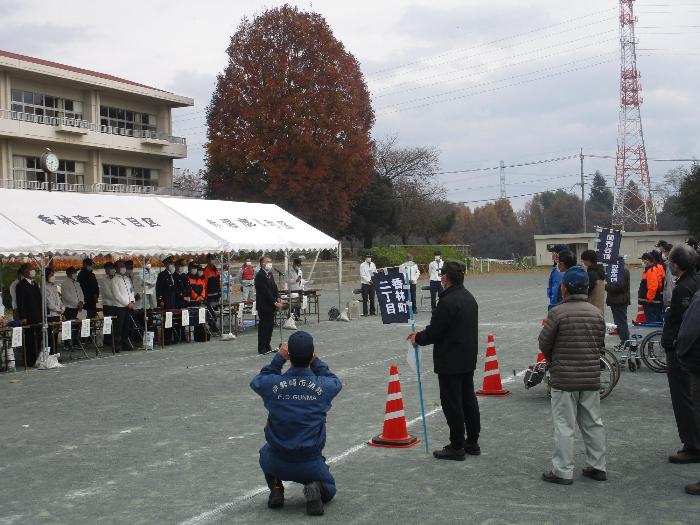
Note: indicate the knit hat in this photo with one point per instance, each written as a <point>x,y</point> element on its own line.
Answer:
<point>576,280</point>
<point>301,344</point>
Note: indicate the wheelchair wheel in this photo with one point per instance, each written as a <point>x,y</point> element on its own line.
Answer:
<point>652,353</point>
<point>607,377</point>
<point>614,363</point>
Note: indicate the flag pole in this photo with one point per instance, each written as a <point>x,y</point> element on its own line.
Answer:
<point>417,356</point>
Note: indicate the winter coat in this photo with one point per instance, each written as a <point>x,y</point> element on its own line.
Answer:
<point>669,283</point>
<point>54,304</point>
<point>266,292</point>
<point>651,287</point>
<point>166,290</point>
<point>596,286</point>
<point>686,286</point>
<point>213,282</point>
<point>453,331</point>
<point>91,290</point>
<point>619,293</point>
<point>29,301</point>
<point>688,339</point>
<point>198,288</point>
<point>553,285</point>
<point>297,403</point>
<point>571,341</point>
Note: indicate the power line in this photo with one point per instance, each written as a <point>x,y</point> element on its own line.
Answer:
<point>517,165</point>
<point>695,159</point>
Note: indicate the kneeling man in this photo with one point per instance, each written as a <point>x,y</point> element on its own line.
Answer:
<point>297,403</point>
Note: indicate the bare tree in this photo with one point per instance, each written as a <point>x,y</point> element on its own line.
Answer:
<point>189,181</point>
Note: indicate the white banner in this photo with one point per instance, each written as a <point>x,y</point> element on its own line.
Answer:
<point>148,340</point>
<point>16,336</point>
<point>107,326</point>
<point>185,317</point>
<point>65,330</point>
<point>168,319</point>
<point>85,328</point>
<point>202,315</point>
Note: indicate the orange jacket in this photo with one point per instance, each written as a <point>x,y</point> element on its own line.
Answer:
<point>198,287</point>
<point>652,284</point>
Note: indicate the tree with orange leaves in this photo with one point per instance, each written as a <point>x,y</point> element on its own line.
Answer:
<point>289,122</point>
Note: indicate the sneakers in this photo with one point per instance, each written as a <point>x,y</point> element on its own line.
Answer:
<point>693,489</point>
<point>594,473</point>
<point>312,494</point>
<point>685,456</point>
<point>449,452</point>
<point>473,449</point>
<point>551,477</point>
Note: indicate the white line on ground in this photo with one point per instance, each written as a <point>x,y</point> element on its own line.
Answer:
<point>209,515</point>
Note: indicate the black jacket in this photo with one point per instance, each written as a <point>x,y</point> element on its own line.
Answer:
<point>688,339</point>
<point>166,293</point>
<point>29,301</point>
<point>266,293</point>
<point>91,290</point>
<point>619,294</point>
<point>453,331</point>
<point>595,274</point>
<point>182,289</point>
<point>686,286</point>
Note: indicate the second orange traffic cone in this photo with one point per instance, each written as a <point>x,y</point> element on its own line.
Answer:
<point>641,318</point>
<point>394,434</point>
<point>492,375</point>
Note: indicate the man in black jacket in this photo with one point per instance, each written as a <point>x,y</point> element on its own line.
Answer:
<point>454,332</point>
<point>91,290</point>
<point>166,292</point>
<point>682,262</point>
<point>29,306</point>
<point>267,301</point>
<point>619,299</point>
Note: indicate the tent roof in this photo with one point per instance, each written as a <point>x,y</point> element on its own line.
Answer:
<point>79,223</point>
<point>15,241</point>
<point>252,226</point>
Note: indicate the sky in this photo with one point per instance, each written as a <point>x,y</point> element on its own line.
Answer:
<point>483,81</point>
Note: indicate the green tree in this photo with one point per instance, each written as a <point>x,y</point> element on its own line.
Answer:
<point>375,212</point>
<point>689,197</point>
<point>600,203</point>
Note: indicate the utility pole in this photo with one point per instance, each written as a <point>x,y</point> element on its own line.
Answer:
<point>503,180</point>
<point>583,194</point>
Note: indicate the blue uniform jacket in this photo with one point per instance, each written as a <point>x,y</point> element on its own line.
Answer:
<point>297,403</point>
<point>553,285</point>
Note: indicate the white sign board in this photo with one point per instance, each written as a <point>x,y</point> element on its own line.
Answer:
<point>202,315</point>
<point>16,336</point>
<point>185,317</point>
<point>168,319</point>
<point>107,326</point>
<point>65,330</point>
<point>85,328</point>
<point>148,340</point>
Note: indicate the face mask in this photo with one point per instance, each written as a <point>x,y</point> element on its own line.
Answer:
<point>171,268</point>
<point>112,272</point>
<point>437,258</point>
<point>200,274</point>
<point>268,266</point>
<point>193,271</point>
<point>182,269</point>
<point>368,260</point>
<point>248,263</point>
<point>148,266</point>
<point>226,273</point>
<point>32,274</point>
<point>122,271</point>
<point>52,279</point>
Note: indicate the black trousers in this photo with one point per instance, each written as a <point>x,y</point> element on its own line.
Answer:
<point>414,300</point>
<point>461,408</point>
<point>121,328</point>
<point>435,289</point>
<point>53,332</point>
<point>266,325</point>
<point>695,394</point>
<point>619,313</point>
<point>70,314</point>
<point>368,294</point>
<point>109,311</point>
<point>679,383</point>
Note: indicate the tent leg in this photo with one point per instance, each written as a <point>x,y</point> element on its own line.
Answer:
<point>44,320</point>
<point>221,297</point>
<point>340,272</point>
<point>143,303</point>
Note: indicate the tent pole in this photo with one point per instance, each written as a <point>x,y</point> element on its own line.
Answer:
<point>340,271</point>
<point>44,320</point>
<point>228,295</point>
<point>313,266</point>
<point>221,297</point>
<point>143,303</point>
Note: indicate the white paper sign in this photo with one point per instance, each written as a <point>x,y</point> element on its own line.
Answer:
<point>85,328</point>
<point>16,336</point>
<point>107,326</point>
<point>2,309</point>
<point>148,340</point>
<point>304,302</point>
<point>185,317</point>
<point>65,330</point>
<point>168,319</point>
<point>202,315</point>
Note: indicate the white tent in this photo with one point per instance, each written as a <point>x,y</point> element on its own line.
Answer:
<point>78,223</point>
<point>252,226</point>
<point>15,241</point>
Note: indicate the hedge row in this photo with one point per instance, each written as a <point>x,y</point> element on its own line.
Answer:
<point>422,255</point>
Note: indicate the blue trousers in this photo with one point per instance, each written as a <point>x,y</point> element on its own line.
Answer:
<point>653,312</point>
<point>300,472</point>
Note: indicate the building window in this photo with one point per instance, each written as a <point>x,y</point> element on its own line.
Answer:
<point>118,119</point>
<point>29,169</point>
<point>112,174</point>
<point>46,105</point>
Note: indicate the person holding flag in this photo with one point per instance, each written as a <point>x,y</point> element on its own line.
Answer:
<point>454,333</point>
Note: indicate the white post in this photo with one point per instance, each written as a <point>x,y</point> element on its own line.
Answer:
<point>221,297</point>
<point>44,320</point>
<point>143,304</point>
<point>340,272</point>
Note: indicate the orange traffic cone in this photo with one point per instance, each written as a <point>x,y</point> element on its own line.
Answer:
<point>492,376</point>
<point>641,318</point>
<point>540,357</point>
<point>394,434</point>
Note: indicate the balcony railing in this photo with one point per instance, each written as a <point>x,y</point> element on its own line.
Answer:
<point>99,188</point>
<point>85,124</point>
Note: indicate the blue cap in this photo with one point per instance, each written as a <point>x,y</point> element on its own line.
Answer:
<point>576,280</point>
<point>301,344</point>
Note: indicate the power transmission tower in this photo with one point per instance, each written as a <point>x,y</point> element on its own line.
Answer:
<point>631,165</point>
<point>503,180</point>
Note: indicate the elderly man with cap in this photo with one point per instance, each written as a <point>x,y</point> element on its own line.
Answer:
<point>555,274</point>
<point>454,333</point>
<point>571,340</point>
<point>297,403</point>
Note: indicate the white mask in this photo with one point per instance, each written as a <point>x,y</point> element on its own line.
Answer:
<point>171,268</point>
<point>32,274</point>
<point>122,271</point>
<point>183,269</point>
<point>193,271</point>
<point>200,274</point>
<point>52,279</point>
<point>268,267</point>
<point>248,263</point>
<point>148,266</point>
<point>437,258</point>
<point>368,260</point>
